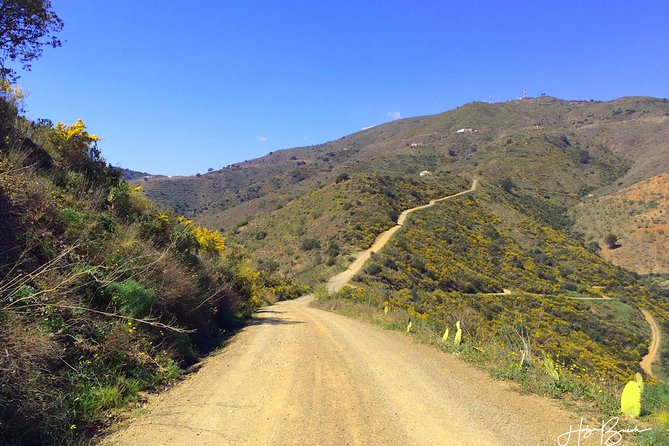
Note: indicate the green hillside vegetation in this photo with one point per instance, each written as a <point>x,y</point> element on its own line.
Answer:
<point>557,151</point>
<point>310,238</point>
<point>491,244</point>
<point>103,294</point>
<point>524,163</point>
<point>505,132</point>
<point>438,267</point>
<point>540,160</point>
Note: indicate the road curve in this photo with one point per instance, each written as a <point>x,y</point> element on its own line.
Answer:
<point>337,282</point>
<point>648,360</point>
<point>301,376</point>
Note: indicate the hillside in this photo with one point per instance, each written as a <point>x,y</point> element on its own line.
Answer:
<point>448,263</point>
<point>639,216</point>
<point>123,293</point>
<point>130,175</point>
<point>560,152</point>
<point>520,263</point>
<point>493,274</point>
<point>310,238</point>
<point>103,294</point>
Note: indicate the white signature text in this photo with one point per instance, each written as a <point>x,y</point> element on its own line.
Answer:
<point>607,433</point>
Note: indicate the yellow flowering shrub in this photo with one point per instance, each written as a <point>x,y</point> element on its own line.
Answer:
<point>12,92</point>
<point>436,266</point>
<point>209,240</point>
<point>76,147</point>
<point>64,132</point>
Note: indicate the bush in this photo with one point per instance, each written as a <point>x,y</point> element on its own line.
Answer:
<point>131,298</point>
<point>611,240</point>
<point>373,268</point>
<point>72,220</point>
<point>333,249</point>
<point>310,244</point>
<point>342,177</point>
<point>268,265</point>
<point>119,198</point>
<point>507,185</point>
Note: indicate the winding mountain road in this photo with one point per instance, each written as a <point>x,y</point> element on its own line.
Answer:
<point>337,282</point>
<point>656,337</point>
<point>298,375</point>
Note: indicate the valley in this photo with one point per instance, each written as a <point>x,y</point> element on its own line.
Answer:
<point>316,354</point>
<point>334,224</point>
<point>522,262</point>
<point>562,154</point>
<point>490,220</point>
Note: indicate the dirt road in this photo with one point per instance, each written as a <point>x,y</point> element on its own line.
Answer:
<point>303,376</point>
<point>648,360</point>
<point>340,280</point>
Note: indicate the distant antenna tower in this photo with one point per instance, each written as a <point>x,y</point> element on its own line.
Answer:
<point>525,93</point>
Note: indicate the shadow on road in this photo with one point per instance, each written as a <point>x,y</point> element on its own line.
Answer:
<point>269,320</point>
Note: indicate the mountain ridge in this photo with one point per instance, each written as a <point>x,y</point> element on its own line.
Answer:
<point>558,150</point>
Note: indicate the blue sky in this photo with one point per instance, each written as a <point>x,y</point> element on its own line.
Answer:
<point>177,87</point>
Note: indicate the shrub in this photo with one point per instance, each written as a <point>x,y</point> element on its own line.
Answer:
<point>131,298</point>
<point>373,268</point>
<point>77,148</point>
<point>119,199</point>
<point>507,185</point>
<point>310,244</point>
<point>611,240</point>
<point>342,177</point>
<point>72,220</point>
<point>210,241</point>
<point>268,265</point>
<point>333,249</point>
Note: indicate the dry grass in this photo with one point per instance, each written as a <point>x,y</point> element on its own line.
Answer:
<point>639,216</point>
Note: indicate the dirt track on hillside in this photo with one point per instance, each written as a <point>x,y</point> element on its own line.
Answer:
<point>648,360</point>
<point>298,375</point>
<point>303,376</point>
<point>340,280</point>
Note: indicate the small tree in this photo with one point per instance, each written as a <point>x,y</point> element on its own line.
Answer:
<point>310,244</point>
<point>342,177</point>
<point>611,240</point>
<point>507,185</point>
<point>25,27</point>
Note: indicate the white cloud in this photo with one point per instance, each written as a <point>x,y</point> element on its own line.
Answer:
<point>261,138</point>
<point>368,127</point>
<point>394,115</point>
